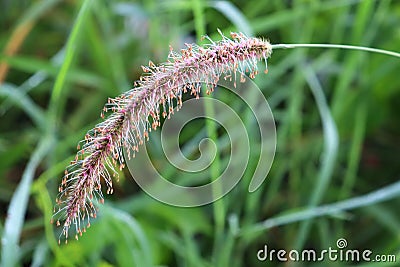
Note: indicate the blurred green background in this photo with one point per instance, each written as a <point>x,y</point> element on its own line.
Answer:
<point>337,115</point>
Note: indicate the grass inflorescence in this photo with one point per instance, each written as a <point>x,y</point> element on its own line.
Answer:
<point>138,111</point>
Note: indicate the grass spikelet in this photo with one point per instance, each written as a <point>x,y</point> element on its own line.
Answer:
<point>137,112</point>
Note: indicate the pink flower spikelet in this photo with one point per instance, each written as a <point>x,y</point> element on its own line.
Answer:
<point>136,112</point>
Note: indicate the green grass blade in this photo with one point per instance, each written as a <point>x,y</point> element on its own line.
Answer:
<point>37,10</point>
<point>18,205</point>
<point>219,206</point>
<point>33,65</point>
<point>378,196</point>
<point>34,80</point>
<point>70,52</point>
<point>331,140</point>
<point>39,256</point>
<point>134,227</point>
<point>24,102</point>
<point>234,15</point>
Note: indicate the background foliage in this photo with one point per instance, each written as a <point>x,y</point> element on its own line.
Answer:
<point>336,111</point>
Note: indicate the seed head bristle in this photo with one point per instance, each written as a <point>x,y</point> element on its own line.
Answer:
<point>138,111</point>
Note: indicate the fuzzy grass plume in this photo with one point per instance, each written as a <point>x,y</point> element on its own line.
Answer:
<point>138,111</point>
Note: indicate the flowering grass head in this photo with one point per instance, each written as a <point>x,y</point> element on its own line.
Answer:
<point>135,113</point>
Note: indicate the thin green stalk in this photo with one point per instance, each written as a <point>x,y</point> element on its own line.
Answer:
<point>360,123</point>
<point>338,46</point>
<point>114,55</point>
<point>218,206</point>
<point>380,195</point>
<point>70,52</point>
<point>44,202</point>
<point>331,141</point>
<point>361,110</point>
<point>297,120</point>
<point>353,62</point>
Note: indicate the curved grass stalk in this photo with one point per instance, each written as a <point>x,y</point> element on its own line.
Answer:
<point>338,46</point>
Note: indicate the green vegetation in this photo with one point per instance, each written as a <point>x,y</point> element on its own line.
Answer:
<point>335,173</point>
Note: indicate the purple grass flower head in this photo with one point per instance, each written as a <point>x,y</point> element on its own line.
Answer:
<point>137,112</point>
